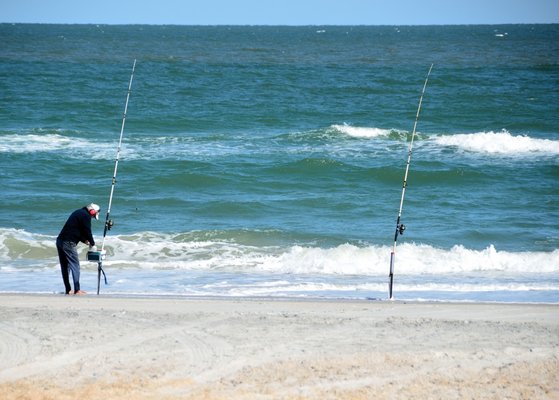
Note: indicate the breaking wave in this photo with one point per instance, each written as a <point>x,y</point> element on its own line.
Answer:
<point>502,143</point>
<point>233,252</point>
<point>362,132</point>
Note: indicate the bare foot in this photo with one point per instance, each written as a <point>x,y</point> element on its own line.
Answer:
<point>80,293</point>
<point>70,292</point>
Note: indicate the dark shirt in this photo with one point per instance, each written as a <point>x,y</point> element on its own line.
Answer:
<point>77,228</point>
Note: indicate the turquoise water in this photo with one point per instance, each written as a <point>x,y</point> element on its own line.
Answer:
<point>269,160</point>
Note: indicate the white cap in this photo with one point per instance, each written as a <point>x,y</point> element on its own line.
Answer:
<point>93,207</point>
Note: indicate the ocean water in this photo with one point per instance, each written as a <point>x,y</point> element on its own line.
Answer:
<point>269,161</point>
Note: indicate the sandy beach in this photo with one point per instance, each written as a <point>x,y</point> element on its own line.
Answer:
<point>69,347</point>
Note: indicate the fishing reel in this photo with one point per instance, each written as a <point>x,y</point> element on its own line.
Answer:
<point>401,228</point>
<point>109,224</point>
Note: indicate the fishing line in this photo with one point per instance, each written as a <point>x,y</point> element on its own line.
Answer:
<point>99,256</point>
<point>400,228</point>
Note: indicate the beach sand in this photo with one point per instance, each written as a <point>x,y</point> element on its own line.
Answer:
<point>99,347</point>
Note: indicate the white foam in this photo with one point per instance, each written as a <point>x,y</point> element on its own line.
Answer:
<point>54,142</point>
<point>361,132</point>
<point>19,244</point>
<point>34,143</point>
<point>422,259</point>
<point>412,259</point>
<point>203,252</point>
<point>502,143</point>
<point>286,288</point>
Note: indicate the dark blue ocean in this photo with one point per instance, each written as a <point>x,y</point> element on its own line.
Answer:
<point>269,161</point>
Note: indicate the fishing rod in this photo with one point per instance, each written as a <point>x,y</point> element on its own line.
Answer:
<point>99,256</point>
<point>400,228</point>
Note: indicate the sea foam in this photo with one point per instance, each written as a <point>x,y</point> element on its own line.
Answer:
<point>78,147</point>
<point>201,252</point>
<point>361,132</point>
<point>502,143</point>
<point>16,143</point>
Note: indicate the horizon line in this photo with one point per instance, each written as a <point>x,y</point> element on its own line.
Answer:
<point>275,25</point>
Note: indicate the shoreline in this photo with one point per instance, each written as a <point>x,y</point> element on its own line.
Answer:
<point>187,297</point>
<point>56,346</point>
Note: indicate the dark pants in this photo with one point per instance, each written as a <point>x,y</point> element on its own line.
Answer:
<point>69,261</point>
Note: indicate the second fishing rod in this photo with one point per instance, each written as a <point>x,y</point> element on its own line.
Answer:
<point>400,227</point>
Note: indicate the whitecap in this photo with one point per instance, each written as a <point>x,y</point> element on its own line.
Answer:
<point>502,143</point>
<point>361,132</point>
